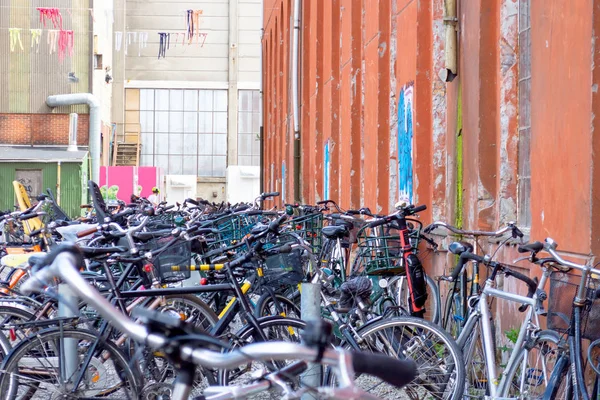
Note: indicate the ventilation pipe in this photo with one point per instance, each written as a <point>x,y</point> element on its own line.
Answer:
<point>61,100</point>
<point>296,97</point>
<point>73,117</point>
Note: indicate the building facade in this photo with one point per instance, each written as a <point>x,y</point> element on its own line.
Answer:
<point>484,112</point>
<point>186,82</point>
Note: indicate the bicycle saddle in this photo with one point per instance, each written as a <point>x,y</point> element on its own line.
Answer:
<point>460,247</point>
<point>335,231</point>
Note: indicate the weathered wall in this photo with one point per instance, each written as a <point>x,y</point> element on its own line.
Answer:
<point>378,124</point>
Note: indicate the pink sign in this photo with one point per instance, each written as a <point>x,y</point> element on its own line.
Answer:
<point>120,182</point>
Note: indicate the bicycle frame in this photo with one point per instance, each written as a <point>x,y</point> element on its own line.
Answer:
<point>482,316</point>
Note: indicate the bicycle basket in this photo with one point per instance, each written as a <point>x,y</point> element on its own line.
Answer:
<point>308,227</point>
<point>173,263</point>
<point>283,269</point>
<point>563,290</point>
<point>379,251</point>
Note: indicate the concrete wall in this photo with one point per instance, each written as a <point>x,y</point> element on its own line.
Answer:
<point>371,91</point>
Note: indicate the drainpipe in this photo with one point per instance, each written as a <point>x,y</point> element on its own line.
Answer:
<point>58,183</point>
<point>95,128</point>
<point>260,107</point>
<point>296,98</point>
<point>450,20</point>
<point>73,117</point>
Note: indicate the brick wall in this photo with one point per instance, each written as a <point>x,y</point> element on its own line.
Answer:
<point>41,129</point>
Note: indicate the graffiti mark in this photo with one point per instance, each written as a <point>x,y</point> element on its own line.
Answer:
<point>27,184</point>
<point>326,168</point>
<point>283,182</point>
<point>405,143</point>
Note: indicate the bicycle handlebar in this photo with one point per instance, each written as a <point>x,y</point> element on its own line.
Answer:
<point>463,232</point>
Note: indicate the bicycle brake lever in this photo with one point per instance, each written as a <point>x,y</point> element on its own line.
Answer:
<point>520,259</point>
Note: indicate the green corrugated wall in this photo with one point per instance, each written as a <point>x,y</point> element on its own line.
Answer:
<point>71,194</point>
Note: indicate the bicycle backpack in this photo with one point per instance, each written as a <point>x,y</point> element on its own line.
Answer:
<point>417,284</point>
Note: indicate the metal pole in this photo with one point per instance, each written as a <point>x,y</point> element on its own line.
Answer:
<point>310,308</point>
<point>68,308</point>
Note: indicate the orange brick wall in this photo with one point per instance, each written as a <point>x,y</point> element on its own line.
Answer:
<point>41,129</point>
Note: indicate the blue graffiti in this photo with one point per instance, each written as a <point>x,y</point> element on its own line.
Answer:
<point>405,144</point>
<point>283,181</point>
<point>326,172</point>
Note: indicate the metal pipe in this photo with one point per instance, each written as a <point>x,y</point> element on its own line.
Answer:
<point>58,172</point>
<point>450,20</point>
<point>95,118</point>
<point>260,106</point>
<point>296,97</point>
<point>73,119</point>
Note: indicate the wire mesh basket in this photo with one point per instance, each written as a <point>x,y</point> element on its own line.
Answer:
<point>233,228</point>
<point>308,227</point>
<point>173,263</point>
<point>283,269</point>
<point>379,251</point>
<point>563,290</point>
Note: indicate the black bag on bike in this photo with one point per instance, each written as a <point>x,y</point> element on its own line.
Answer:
<point>417,283</point>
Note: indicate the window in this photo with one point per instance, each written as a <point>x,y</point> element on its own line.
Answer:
<point>97,61</point>
<point>524,174</point>
<point>184,132</point>
<point>248,127</point>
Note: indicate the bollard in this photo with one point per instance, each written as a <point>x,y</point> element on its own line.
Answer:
<point>310,308</point>
<point>68,308</point>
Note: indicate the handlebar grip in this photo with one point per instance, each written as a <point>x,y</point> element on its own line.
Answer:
<point>531,284</point>
<point>429,228</point>
<point>241,208</point>
<point>391,370</point>
<point>377,222</point>
<point>323,202</point>
<point>418,209</point>
<point>517,233</point>
<point>167,208</point>
<point>24,217</point>
<point>462,260</point>
<point>534,247</point>
<point>35,232</point>
<point>192,201</point>
<point>87,232</point>
<point>274,225</point>
<point>127,211</point>
<point>269,194</point>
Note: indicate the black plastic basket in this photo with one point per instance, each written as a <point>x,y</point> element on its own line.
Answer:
<point>283,269</point>
<point>563,290</point>
<point>173,263</point>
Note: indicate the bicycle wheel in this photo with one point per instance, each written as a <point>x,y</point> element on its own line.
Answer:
<point>274,329</point>
<point>33,369</point>
<point>441,370</point>
<point>191,309</point>
<point>11,332</point>
<point>280,305</point>
<point>434,308</point>
<point>529,375</point>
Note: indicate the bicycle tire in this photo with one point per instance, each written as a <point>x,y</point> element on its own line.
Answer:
<point>537,389</point>
<point>42,342</point>
<point>245,336</point>
<point>265,306</point>
<point>210,317</point>
<point>431,363</point>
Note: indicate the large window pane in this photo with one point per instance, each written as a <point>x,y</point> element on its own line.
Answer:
<point>255,145</point>
<point>175,165</point>
<point>245,100</point>
<point>204,166</point>
<point>255,122</point>
<point>190,122</point>
<point>190,144</point>
<point>220,121</point>
<point>147,121</point>
<point>175,143</point>
<point>176,121</point>
<point>189,165</point>
<point>245,144</point>
<point>146,160</point>
<point>205,145</point>
<point>190,100</point>
<point>244,122</point>
<point>162,162</point>
<point>220,100</point>
<point>147,143</point>
<point>147,99</point>
<point>161,143</point>
<point>219,144</point>
<point>176,100</point>
<point>205,122</point>
<point>256,100</point>
<point>161,121</point>
<point>162,100</point>
<point>219,165</point>
<point>205,100</point>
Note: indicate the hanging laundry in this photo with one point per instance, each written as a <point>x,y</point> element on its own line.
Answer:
<point>15,38</point>
<point>176,39</point>
<point>65,44</point>
<point>118,40</point>
<point>142,42</point>
<point>203,36</point>
<point>131,38</point>
<point>51,39</point>
<point>51,13</point>
<point>35,38</point>
<point>164,42</point>
<point>193,25</point>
